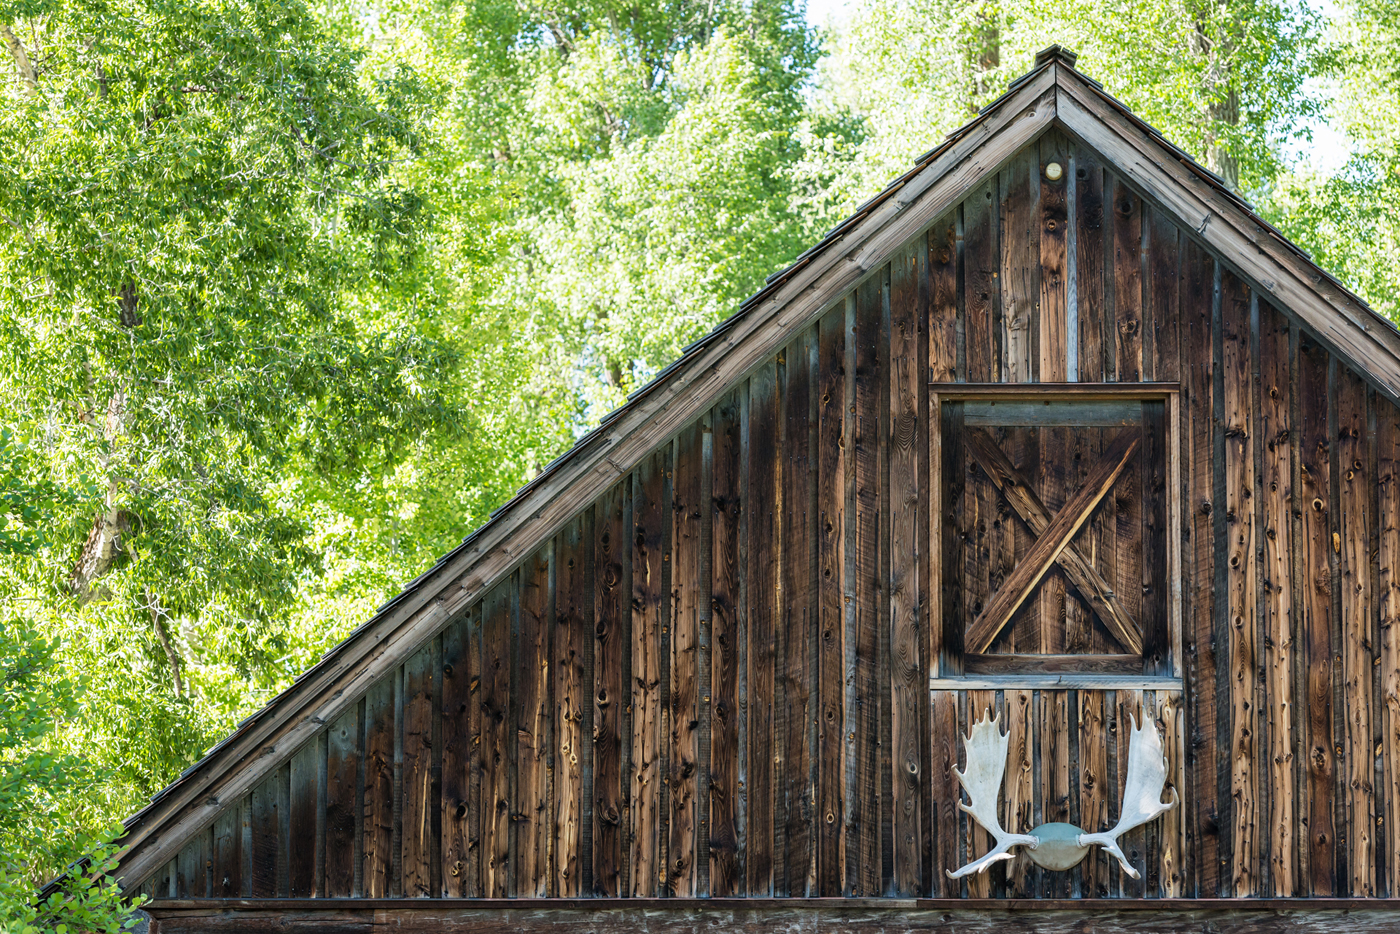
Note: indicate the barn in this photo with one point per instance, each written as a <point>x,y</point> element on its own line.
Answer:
<point>1054,483</point>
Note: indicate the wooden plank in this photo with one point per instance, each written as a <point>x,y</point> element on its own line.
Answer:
<point>727,645</point>
<point>573,672</point>
<point>1054,289</point>
<point>1093,788</point>
<point>651,601</point>
<point>833,824</point>
<point>1276,600</point>
<point>1125,310</point>
<point>396,812</point>
<point>1021,496</point>
<point>1171,706</point>
<point>497,612</point>
<point>1130,709</point>
<point>764,615</point>
<point>868,595</point>
<point>1036,663</point>
<point>1156,586</point>
<point>1358,658</point>
<point>1018,787</point>
<point>1038,413</point>
<point>344,804</point>
<point>1020,267</point>
<point>1089,263</point>
<point>303,842</point>
<point>943,792</point>
<point>460,811</point>
<point>612,652</point>
<point>981,257</point>
<point>1239,427</point>
<point>951,524</point>
<point>1315,600</point>
<point>685,650</point>
<point>378,799</point>
<point>1162,293</point>
<point>908,673</point>
<point>1387,442</point>
<point>532,708</point>
<point>1053,735</point>
<point>1198,313</point>
<point>189,866</point>
<point>928,290</point>
<point>1049,545</point>
<point>266,855</point>
<point>419,846</point>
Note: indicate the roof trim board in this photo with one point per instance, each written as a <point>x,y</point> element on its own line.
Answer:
<point>1052,94</point>
<point>740,344</point>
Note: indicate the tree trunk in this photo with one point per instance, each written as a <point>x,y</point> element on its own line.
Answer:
<point>22,63</point>
<point>171,654</point>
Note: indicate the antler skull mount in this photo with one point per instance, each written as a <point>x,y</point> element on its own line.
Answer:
<point>1056,845</point>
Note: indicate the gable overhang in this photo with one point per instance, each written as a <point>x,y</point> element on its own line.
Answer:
<point>1051,95</point>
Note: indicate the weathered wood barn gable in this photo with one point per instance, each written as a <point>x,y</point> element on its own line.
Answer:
<point>728,645</point>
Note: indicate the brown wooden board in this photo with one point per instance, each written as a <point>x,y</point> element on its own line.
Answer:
<point>1241,550</point>
<point>378,798</point>
<point>1314,454</point>
<point>1161,288</point>
<point>794,719</point>
<point>651,601</point>
<point>908,684</point>
<point>1094,814</point>
<point>1276,600</point>
<point>1020,268</point>
<point>189,867</point>
<point>573,673</point>
<point>764,616</point>
<point>533,710</point>
<point>727,642</point>
<point>460,811</point>
<point>868,595</point>
<point>306,847</point>
<point>1387,442</point>
<point>1125,310</point>
<point>344,806</point>
<point>690,548</point>
<point>612,653</point>
<point>1018,788</point>
<point>1089,257</point>
<point>1200,511</point>
<point>497,748</point>
<point>1156,587</point>
<point>420,849</point>
<point>943,788</point>
<point>981,283</point>
<point>227,863</point>
<point>1053,747</point>
<point>1054,267</point>
<point>1354,490</point>
<point>833,819</point>
<point>266,846</point>
<point>924,299</point>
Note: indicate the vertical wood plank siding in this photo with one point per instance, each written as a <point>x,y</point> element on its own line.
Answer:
<point>715,680</point>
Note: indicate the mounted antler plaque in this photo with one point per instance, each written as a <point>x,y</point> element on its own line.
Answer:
<point>1058,846</point>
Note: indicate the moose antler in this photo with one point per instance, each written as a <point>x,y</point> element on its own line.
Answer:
<point>986,765</point>
<point>1142,791</point>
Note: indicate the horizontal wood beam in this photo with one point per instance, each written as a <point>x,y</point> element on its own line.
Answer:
<point>796,916</point>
